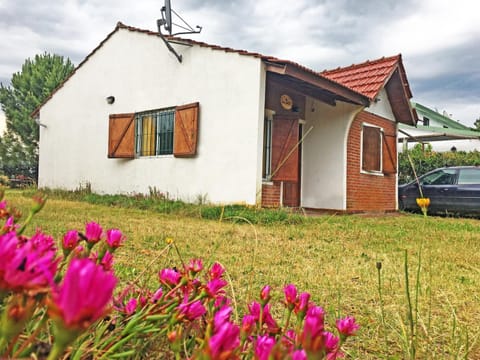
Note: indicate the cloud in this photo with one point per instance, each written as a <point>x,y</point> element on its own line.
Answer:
<point>437,38</point>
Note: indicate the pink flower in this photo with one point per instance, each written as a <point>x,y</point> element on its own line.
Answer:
<point>84,294</point>
<point>195,266</point>
<point>330,342</point>
<point>216,271</point>
<point>70,240</point>
<point>8,246</point>
<point>9,225</point>
<point>290,296</point>
<point>157,295</point>
<point>193,310</point>
<point>43,242</point>
<point>169,277</point>
<point>289,339</point>
<point>79,252</point>
<point>299,355</point>
<point>27,267</point>
<point>265,294</point>
<point>312,335</point>
<point>266,317</point>
<point>215,287</point>
<point>221,301</point>
<point>131,306</point>
<point>39,201</point>
<point>93,232</point>
<point>107,261</point>
<point>222,316</point>
<point>347,326</point>
<point>301,306</point>
<point>264,346</point>
<point>224,341</point>
<point>115,238</point>
<point>248,324</point>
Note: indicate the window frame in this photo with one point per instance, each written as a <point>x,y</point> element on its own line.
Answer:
<point>267,148</point>
<point>163,122</point>
<point>378,172</point>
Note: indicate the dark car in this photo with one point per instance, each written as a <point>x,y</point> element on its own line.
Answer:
<point>453,190</point>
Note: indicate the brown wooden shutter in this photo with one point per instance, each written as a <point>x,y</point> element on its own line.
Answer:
<point>121,136</point>
<point>285,149</point>
<point>371,148</point>
<point>389,154</point>
<point>186,130</point>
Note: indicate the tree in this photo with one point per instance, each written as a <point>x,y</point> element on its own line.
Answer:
<point>29,88</point>
<point>477,124</point>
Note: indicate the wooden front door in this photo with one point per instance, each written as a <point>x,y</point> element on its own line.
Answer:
<point>286,152</point>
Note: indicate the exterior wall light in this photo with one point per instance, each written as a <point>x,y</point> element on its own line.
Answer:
<point>110,100</point>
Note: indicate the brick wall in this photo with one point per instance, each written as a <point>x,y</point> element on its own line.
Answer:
<point>366,192</point>
<point>271,194</point>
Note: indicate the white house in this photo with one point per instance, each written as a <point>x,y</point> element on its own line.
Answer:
<point>438,130</point>
<point>228,125</point>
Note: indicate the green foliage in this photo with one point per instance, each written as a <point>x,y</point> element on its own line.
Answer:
<point>477,124</point>
<point>159,203</point>
<point>29,88</point>
<point>425,159</point>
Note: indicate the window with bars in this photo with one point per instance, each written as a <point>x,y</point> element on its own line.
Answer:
<point>172,130</point>
<point>154,132</point>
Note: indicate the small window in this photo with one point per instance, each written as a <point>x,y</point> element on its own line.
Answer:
<point>426,121</point>
<point>267,148</point>
<point>371,149</point>
<point>154,132</point>
<point>469,176</point>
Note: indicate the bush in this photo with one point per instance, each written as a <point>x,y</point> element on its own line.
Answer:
<point>425,160</point>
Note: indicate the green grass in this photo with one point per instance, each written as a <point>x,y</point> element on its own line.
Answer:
<point>332,257</point>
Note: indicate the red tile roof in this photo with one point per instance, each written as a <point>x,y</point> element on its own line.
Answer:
<point>367,78</point>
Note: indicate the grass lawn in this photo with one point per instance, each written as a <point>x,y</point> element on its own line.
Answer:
<point>335,258</point>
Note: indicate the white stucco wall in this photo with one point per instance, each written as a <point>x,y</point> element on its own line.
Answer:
<point>143,75</point>
<point>325,154</point>
<point>381,106</point>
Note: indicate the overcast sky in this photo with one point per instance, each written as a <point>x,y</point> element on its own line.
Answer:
<point>438,39</point>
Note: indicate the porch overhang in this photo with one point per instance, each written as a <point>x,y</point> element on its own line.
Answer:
<point>313,84</point>
<point>414,134</point>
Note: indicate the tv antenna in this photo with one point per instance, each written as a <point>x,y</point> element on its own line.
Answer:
<point>167,24</point>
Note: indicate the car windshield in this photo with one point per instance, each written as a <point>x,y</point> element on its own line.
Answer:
<point>439,177</point>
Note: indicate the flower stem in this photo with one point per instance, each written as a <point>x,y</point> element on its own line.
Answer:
<point>56,352</point>
<point>287,321</point>
<point>3,344</point>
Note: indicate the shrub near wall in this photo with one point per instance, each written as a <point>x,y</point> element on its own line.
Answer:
<point>425,160</point>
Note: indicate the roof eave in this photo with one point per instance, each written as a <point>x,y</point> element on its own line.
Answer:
<point>317,80</point>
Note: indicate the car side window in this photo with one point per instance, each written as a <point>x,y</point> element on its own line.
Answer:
<point>469,176</point>
<point>440,177</point>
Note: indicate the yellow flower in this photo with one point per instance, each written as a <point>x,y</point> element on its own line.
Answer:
<point>423,202</point>
<point>169,240</point>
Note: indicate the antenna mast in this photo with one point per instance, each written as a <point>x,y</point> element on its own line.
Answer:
<point>167,24</point>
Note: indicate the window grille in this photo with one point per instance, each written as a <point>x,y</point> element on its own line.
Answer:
<point>154,132</point>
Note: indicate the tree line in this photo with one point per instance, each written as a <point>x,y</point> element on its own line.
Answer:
<point>27,90</point>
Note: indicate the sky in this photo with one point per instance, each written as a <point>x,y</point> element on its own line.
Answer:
<point>439,39</point>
